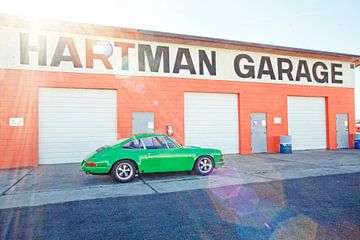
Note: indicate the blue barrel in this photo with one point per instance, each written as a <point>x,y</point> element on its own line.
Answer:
<point>285,144</point>
<point>357,140</point>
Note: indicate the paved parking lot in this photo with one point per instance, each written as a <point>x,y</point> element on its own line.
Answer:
<point>65,182</point>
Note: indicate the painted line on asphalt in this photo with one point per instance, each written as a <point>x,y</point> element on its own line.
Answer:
<point>148,184</point>
<point>19,180</point>
<point>63,189</point>
<point>171,180</point>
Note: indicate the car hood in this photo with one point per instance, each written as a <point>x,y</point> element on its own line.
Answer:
<point>207,149</point>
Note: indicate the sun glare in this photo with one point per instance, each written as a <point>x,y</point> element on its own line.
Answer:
<point>116,13</point>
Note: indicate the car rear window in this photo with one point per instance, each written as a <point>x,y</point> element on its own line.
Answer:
<point>136,144</point>
<point>154,142</point>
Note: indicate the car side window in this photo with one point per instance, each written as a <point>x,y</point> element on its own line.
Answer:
<point>136,144</point>
<point>170,143</point>
<point>154,143</point>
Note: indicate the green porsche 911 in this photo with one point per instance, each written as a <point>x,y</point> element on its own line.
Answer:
<point>145,153</point>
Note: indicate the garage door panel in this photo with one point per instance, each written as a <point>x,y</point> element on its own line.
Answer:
<point>216,116</point>
<point>60,154</point>
<point>75,122</point>
<point>55,141</point>
<point>77,125</point>
<point>96,102</point>
<point>206,129</point>
<point>211,120</point>
<point>80,132</point>
<point>70,110</point>
<point>307,122</point>
<point>61,157</point>
<point>80,146</point>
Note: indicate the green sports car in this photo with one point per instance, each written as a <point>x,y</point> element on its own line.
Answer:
<point>146,153</point>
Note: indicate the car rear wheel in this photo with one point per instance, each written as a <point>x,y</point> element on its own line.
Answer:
<point>204,165</point>
<point>123,171</point>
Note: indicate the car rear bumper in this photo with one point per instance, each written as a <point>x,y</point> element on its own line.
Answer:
<point>94,170</point>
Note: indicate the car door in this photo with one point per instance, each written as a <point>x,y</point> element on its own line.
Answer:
<point>135,150</point>
<point>164,157</point>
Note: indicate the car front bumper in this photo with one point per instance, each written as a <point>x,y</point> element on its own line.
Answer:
<point>219,164</point>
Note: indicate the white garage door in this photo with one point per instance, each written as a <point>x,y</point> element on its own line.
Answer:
<point>74,123</point>
<point>307,122</point>
<point>211,120</point>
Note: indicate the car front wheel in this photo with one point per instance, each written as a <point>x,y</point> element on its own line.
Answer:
<point>123,171</point>
<point>204,165</point>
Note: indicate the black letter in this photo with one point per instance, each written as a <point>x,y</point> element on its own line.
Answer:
<point>124,54</point>
<point>154,62</point>
<point>270,70</point>
<point>250,72</point>
<point>324,74</point>
<point>104,57</point>
<point>334,73</point>
<point>300,74</point>
<point>282,70</point>
<point>189,63</point>
<point>203,58</point>
<point>25,48</point>
<point>59,53</point>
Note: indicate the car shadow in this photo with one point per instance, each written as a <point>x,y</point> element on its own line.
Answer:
<point>173,176</point>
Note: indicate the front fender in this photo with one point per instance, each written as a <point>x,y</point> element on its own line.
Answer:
<point>215,154</point>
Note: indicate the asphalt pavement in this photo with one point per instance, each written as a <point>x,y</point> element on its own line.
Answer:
<point>47,184</point>
<point>321,207</point>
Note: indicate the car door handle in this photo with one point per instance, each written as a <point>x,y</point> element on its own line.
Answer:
<point>150,154</point>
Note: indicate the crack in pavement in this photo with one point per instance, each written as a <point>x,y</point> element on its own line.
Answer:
<point>147,184</point>
<point>19,180</point>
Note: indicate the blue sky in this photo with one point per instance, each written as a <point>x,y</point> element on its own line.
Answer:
<point>326,25</point>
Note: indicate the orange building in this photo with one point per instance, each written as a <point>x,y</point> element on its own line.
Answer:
<point>67,88</point>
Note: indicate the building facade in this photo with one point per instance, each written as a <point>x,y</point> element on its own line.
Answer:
<point>68,88</point>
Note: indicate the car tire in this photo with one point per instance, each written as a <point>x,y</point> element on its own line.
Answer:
<point>123,171</point>
<point>204,165</point>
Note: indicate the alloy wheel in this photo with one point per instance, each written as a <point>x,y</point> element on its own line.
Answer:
<point>124,171</point>
<point>205,165</point>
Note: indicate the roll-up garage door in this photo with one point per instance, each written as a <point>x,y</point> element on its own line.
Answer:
<point>74,123</point>
<point>211,120</point>
<point>307,122</point>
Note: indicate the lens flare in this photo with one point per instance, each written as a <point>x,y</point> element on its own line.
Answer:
<point>298,227</point>
<point>255,205</point>
<point>103,48</point>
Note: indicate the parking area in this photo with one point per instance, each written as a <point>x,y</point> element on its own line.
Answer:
<point>48,184</point>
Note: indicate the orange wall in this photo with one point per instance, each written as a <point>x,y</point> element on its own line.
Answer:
<point>164,96</point>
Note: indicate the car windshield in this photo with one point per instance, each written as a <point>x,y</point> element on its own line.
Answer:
<point>171,141</point>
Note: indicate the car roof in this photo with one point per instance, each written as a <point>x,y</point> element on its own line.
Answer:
<point>144,135</point>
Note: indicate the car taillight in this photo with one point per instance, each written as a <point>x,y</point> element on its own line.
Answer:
<point>221,160</point>
<point>91,164</point>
